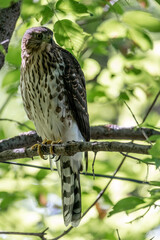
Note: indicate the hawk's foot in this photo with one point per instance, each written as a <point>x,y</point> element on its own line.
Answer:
<point>38,146</point>
<point>54,142</point>
<point>39,149</point>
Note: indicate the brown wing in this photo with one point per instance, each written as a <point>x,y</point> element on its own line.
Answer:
<point>75,85</point>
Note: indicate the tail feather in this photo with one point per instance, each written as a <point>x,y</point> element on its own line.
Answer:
<point>71,192</point>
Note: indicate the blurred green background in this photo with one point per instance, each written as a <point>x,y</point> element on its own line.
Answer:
<point>117,44</point>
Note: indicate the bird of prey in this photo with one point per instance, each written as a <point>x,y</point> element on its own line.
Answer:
<point>54,97</point>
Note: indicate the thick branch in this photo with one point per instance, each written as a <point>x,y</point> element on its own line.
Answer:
<point>69,149</point>
<point>8,19</point>
<point>28,139</point>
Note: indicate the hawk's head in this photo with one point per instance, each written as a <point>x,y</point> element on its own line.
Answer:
<point>37,37</point>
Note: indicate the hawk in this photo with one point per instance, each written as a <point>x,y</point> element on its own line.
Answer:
<point>54,97</point>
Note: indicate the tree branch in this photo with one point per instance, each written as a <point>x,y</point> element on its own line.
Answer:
<point>41,235</point>
<point>27,139</point>
<point>8,19</point>
<point>69,149</point>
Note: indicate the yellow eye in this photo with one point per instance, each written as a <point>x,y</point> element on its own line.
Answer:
<point>39,35</point>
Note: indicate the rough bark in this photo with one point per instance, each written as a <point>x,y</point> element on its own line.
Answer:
<point>28,139</point>
<point>8,19</point>
<point>74,147</point>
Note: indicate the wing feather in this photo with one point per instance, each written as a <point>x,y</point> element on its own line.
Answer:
<point>74,82</point>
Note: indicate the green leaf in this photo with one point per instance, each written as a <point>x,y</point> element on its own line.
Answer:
<point>9,198</point>
<point>155,183</point>
<point>69,6</point>
<point>11,77</point>
<point>155,193</point>
<point>7,3</point>
<point>154,137</point>
<point>123,96</point>
<point>46,14</point>
<point>41,174</point>
<point>158,1</point>
<point>155,152</point>
<point>126,204</point>
<point>141,38</point>
<point>117,8</point>
<point>69,34</point>
<point>142,19</point>
<point>30,9</point>
<point>110,29</point>
<point>2,49</point>
<point>10,56</point>
<point>96,92</point>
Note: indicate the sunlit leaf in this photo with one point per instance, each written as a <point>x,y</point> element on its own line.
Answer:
<point>155,183</point>
<point>155,193</point>
<point>155,152</point>
<point>126,204</point>
<point>154,137</point>
<point>141,38</point>
<point>7,3</point>
<point>2,49</point>
<point>30,9</point>
<point>11,77</point>
<point>71,6</point>
<point>41,174</point>
<point>110,29</point>
<point>14,55</point>
<point>69,34</point>
<point>142,19</point>
<point>117,8</point>
<point>9,198</point>
<point>45,14</point>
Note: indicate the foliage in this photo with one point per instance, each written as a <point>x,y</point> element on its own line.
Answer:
<point>117,44</point>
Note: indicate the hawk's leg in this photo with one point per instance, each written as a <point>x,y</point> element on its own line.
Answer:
<point>39,147</point>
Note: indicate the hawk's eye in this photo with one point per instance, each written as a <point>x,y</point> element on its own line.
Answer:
<point>39,36</point>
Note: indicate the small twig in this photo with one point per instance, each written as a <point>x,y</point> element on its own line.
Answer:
<point>83,173</point>
<point>5,41</point>
<point>94,159</point>
<point>19,123</point>
<point>151,107</point>
<point>5,103</point>
<point>137,159</point>
<point>139,217</point>
<point>64,233</point>
<point>138,125</point>
<point>118,234</point>
<point>40,235</point>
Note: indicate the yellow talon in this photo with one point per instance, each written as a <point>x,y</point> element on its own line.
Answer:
<point>39,151</point>
<point>53,142</point>
<point>39,147</point>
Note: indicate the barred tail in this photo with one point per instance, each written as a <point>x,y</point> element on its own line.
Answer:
<point>71,192</point>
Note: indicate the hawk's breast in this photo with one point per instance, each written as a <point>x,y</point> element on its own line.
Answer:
<point>44,94</point>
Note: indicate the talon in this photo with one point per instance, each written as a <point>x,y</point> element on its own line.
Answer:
<point>38,146</point>
<point>54,142</point>
<point>39,150</point>
<point>51,150</point>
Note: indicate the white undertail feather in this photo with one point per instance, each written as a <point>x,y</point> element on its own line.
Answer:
<point>71,192</point>
<point>69,168</point>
